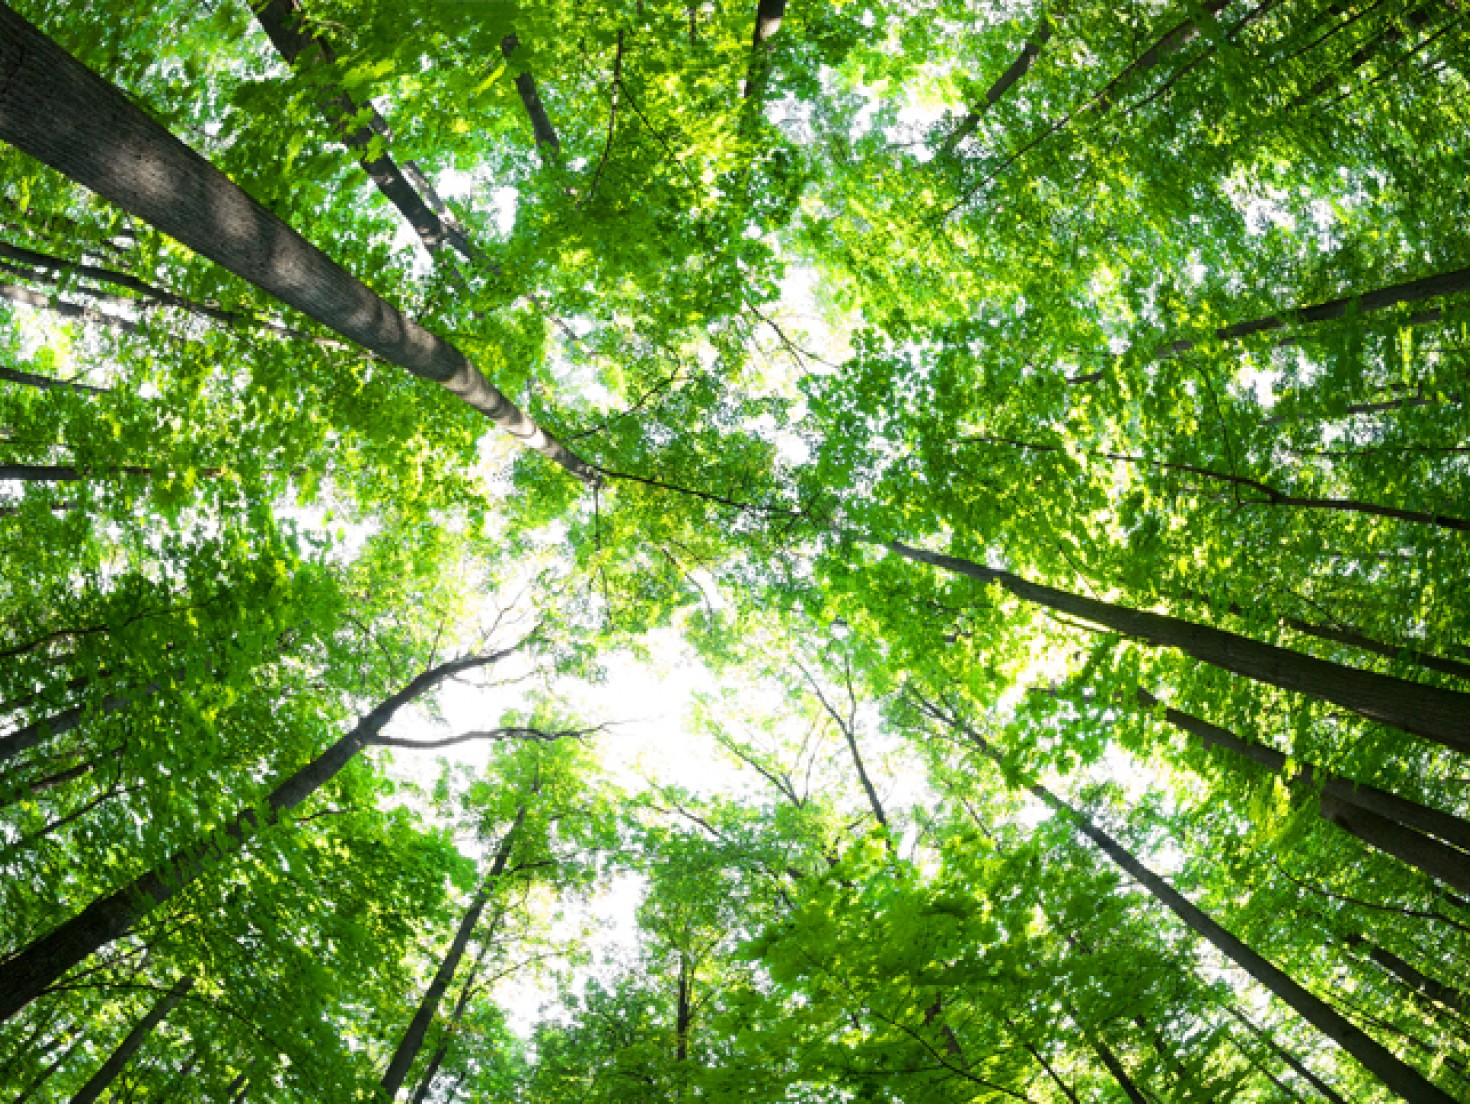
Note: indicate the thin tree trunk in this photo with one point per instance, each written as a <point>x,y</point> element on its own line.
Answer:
<point>548,145</point>
<point>1412,977</point>
<point>46,383</point>
<point>1327,1091</point>
<point>1113,1066</point>
<point>1429,711</point>
<point>1377,817</point>
<point>1401,1078</point>
<point>1005,82</point>
<point>130,1045</point>
<point>63,115</point>
<point>1354,639</point>
<point>413,1038</point>
<point>1444,283</point>
<point>283,24</point>
<point>58,724</point>
<point>436,1061</point>
<point>35,968</point>
<point>683,1013</point>
<point>56,305</point>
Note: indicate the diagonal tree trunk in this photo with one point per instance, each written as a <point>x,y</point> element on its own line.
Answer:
<point>28,973</point>
<point>548,145</point>
<point>1395,1075</point>
<point>1291,1060</point>
<point>283,23</point>
<point>130,1045</point>
<point>413,1038</point>
<point>436,1060</point>
<point>1005,82</point>
<point>1380,819</point>
<point>1412,977</point>
<point>1429,711</point>
<point>54,109</point>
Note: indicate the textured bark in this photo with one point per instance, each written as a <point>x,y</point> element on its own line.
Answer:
<point>58,724</point>
<point>1356,808</point>
<point>1395,1075</point>
<point>1004,83</point>
<point>547,143</point>
<point>130,1045</point>
<point>413,1038</point>
<point>32,970</point>
<point>54,109</point>
<point>1429,711</point>
<point>1444,283</point>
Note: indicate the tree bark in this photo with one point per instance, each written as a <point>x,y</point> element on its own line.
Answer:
<point>54,109</point>
<point>1395,1075</point>
<point>58,724</point>
<point>768,17</point>
<point>436,1061</point>
<point>1412,291</point>
<point>1429,711</point>
<point>1327,1091</point>
<point>1412,977</point>
<point>684,1010</point>
<point>283,24</point>
<point>1354,639</point>
<point>548,145</point>
<point>1115,1068</point>
<point>413,1038</point>
<point>32,970</point>
<point>130,1045</point>
<point>46,383</point>
<point>1377,817</point>
<point>1005,82</point>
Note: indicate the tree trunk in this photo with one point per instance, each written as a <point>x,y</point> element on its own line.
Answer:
<point>1327,1091</point>
<point>56,305</point>
<point>1413,977</point>
<point>129,1046</point>
<point>548,145</point>
<point>1444,283</point>
<point>684,1010</point>
<point>58,724</point>
<point>54,109</point>
<point>1005,82</point>
<point>1113,1066</point>
<point>418,1027</point>
<point>768,17</point>
<point>32,970</point>
<point>46,383</point>
<point>1380,819</point>
<point>1397,1076</point>
<point>1429,711</point>
<point>1354,639</point>
<point>442,1050</point>
<point>299,48</point>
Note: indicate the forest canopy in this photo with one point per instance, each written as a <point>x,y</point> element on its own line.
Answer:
<point>851,551</point>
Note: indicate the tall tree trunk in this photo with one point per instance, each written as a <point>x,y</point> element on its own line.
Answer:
<point>684,1009</point>
<point>1397,1076</point>
<point>1429,711</point>
<point>1412,291</point>
<point>548,145</point>
<point>129,1046</point>
<point>1354,639</point>
<point>34,732</point>
<point>283,24</point>
<point>57,111</point>
<point>413,1038</point>
<point>768,17</point>
<point>32,970</point>
<point>1115,1068</point>
<point>1412,977</point>
<point>1380,819</point>
<point>1291,1060</point>
<point>436,1061</point>
<point>1005,82</point>
<point>56,305</point>
<point>47,383</point>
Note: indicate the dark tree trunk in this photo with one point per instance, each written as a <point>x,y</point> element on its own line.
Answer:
<point>1397,1076</point>
<point>129,1046</point>
<point>56,305</point>
<point>1327,1091</point>
<point>1354,639</point>
<point>1412,977</point>
<point>684,1010</point>
<point>1429,711</point>
<point>58,724</point>
<point>418,1027</point>
<point>1115,1068</point>
<point>282,22</point>
<point>436,1061</point>
<point>54,109</point>
<point>1380,819</point>
<point>547,143</point>
<point>35,968</point>
<point>1004,83</point>
<point>768,17</point>
<point>46,383</point>
<point>1430,287</point>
